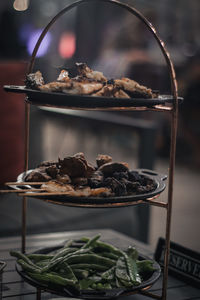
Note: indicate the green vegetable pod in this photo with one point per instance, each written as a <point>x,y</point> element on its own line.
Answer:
<point>88,266</point>
<point>53,278</point>
<point>91,259</point>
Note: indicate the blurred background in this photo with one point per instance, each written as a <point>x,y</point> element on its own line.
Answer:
<point>111,40</point>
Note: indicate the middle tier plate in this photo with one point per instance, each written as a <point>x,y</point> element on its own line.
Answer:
<point>112,201</point>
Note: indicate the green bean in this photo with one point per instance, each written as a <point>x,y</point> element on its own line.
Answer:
<point>43,263</point>
<point>132,252</point>
<point>89,267</point>
<point>39,257</point>
<point>48,278</point>
<point>121,270</point>
<point>66,272</point>
<point>59,260</point>
<point>81,273</point>
<point>63,252</point>
<point>91,242</point>
<point>132,270</point>
<point>109,274</point>
<point>22,256</point>
<point>107,247</point>
<point>90,258</point>
<point>145,266</point>
<point>27,267</point>
<point>108,255</point>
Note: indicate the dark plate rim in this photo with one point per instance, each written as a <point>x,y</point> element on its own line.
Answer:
<point>86,101</point>
<point>159,180</point>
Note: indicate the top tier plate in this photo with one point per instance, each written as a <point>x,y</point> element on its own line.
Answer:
<point>80,101</point>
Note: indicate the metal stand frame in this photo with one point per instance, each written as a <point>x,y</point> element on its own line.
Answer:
<point>174,119</point>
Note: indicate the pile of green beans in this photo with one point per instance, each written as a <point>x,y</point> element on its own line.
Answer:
<point>90,264</point>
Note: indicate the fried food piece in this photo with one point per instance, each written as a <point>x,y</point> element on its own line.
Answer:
<point>106,91</point>
<point>133,87</point>
<point>90,168</point>
<point>34,80</point>
<point>55,86</point>
<point>63,179</point>
<point>38,175</point>
<point>83,88</point>
<point>63,76</point>
<point>85,71</point>
<point>52,171</point>
<point>117,187</point>
<point>96,179</point>
<point>102,191</point>
<point>109,168</point>
<point>121,94</point>
<point>53,187</point>
<point>80,181</point>
<point>72,166</point>
<point>103,159</point>
<point>47,163</point>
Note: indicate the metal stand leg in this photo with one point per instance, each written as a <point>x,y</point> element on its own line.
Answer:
<point>38,295</point>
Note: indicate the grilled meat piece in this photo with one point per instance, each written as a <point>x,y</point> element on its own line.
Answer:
<point>47,163</point>
<point>85,71</point>
<point>34,80</point>
<point>90,168</point>
<point>72,166</point>
<point>54,187</point>
<point>109,168</point>
<point>117,187</point>
<point>103,159</point>
<point>80,181</point>
<point>133,87</point>
<point>96,179</point>
<point>55,86</point>
<point>102,191</point>
<point>52,171</point>
<point>38,175</point>
<point>63,179</point>
<point>120,94</point>
<point>106,91</point>
<point>83,88</point>
<point>63,76</point>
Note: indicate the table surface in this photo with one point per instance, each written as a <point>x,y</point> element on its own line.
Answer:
<point>14,288</point>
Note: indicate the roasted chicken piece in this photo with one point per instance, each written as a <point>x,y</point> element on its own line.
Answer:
<point>54,186</point>
<point>85,71</point>
<point>120,94</point>
<point>56,86</point>
<point>34,80</point>
<point>63,76</point>
<point>83,87</point>
<point>133,87</point>
<point>38,175</point>
<point>109,168</point>
<point>103,159</point>
<point>106,91</point>
<point>73,167</point>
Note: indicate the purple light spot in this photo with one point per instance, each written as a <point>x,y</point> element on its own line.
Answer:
<point>25,31</point>
<point>34,36</point>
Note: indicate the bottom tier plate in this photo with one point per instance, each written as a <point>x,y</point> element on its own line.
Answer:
<point>91,294</point>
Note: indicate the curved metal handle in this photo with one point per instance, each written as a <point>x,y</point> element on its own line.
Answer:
<point>135,12</point>
<point>153,174</point>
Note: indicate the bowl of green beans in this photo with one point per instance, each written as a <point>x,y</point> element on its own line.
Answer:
<point>87,268</point>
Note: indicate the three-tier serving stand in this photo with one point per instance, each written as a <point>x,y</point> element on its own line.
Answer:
<point>171,108</point>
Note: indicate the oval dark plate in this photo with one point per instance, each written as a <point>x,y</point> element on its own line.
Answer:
<point>85,101</point>
<point>89,294</point>
<point>159,180</point>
